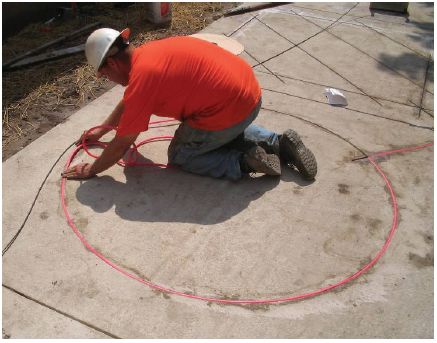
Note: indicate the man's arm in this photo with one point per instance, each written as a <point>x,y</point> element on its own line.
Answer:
<point>110,155</point>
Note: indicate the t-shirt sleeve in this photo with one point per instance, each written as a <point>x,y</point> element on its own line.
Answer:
<point>138,102</point>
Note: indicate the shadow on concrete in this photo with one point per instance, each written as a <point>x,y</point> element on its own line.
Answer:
<point>411,64</point>
<point>171,195</point>
<point>292,175</point>
<point>151,194</point>
<point>426,36</point>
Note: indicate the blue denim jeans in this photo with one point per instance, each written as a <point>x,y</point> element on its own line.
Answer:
<point>218,153</point>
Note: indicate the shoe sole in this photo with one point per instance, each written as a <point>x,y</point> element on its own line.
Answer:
<point>261,162</point>
<point>298,154</point>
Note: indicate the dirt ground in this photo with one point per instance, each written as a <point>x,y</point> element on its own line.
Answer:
<point>37,98</point>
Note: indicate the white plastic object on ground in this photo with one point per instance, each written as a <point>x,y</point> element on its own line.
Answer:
<point>222,41</point>
<point>335,97</point>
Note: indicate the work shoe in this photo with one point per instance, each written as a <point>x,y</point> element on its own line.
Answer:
<point>256,160</point>
<point>292,150</point>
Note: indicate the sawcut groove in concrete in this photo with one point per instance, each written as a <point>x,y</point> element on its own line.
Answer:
<point>11,242</point>
<point>353,22</point>
<point>426,110</point>
<point>350,44</point>
<point>318,60</point>
<point>348,90</point>
<point>83,196</point>
<point>259,238</point>
<point>59,311</point>
<point>380,62</point>
<point>318,10</point>
<point>241,26</point>
<point>353,110</point>
<point>390,38</point>
<point>424,85</point>
<point>333,12</point>
<point>320,127</point>
<point>259,63</point>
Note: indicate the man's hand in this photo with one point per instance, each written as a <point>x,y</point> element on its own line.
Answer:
<point>79,171</point>
<point>94,136</point>
<point>111,121</point>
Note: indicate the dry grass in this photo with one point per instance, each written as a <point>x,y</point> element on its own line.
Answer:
<point>39,91</point>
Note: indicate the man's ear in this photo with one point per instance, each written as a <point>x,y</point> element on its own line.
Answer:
<point>125,34</point>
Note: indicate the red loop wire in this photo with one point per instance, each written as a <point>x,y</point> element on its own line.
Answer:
<point>244,301</point>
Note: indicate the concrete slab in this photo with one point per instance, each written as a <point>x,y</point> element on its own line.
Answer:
<point>370,44</point>
<point>229,25</point>
<point>254,35</point>
<point>29,159</point>
<point>398,58</point>
<point>389,84</point>
<point>298,64</point>
<point>297,29</point>
<point>252,62</point>
<point>428,102</point>
<point>353,126</point>
<point>429,85</point>
<point>260,238</point>
<point>332,9</point>
<point>25,318</point>
<point>301,92</point>
<point>359,10</point>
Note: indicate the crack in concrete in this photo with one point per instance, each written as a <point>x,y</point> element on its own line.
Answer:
<point>353,110</point>
<point>60,312</point>
<point>424,85</point>
<point>317,125</point>
<point>318,60</point>
<point>34,201</point>
<point>363,52</point>
<point>241,26</point>
<point>260,63</point>
<point>388,37</point>
<point>351,91</point>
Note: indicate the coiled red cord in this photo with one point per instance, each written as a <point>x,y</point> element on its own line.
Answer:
<point>239,301</point>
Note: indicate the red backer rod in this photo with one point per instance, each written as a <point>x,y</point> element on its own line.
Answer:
<point>234,301</point>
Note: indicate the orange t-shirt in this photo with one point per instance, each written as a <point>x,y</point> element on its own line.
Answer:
<point>190,80</point>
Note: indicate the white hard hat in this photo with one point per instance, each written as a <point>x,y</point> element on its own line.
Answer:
<point>98,44</point>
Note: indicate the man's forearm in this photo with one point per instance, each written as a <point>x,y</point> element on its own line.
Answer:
<point>112,153</point>
<point>109,157</point>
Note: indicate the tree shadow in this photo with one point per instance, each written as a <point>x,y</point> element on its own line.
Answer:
<point>426,39</point>
<point>409,63</point>
<point>426,34</point>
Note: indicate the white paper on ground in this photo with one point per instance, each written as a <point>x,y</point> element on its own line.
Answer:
<point>335,97</point>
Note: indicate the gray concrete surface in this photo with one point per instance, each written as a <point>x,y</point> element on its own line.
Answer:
<point>259,238</point>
